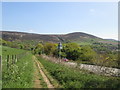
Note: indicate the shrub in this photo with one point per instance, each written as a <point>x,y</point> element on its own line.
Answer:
<point>71,51</point>
<point>87,53</point>
<point>49,48</point>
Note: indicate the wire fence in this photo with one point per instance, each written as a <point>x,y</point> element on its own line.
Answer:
<point>13,59</point>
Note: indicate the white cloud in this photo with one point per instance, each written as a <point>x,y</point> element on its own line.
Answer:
<point>59,0</point>
<point>108,36</point>
<point>92,11</point>
<point>32,31</point>
<point>10,30</point>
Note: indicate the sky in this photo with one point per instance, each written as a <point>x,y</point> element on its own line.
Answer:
<point>96,18</point>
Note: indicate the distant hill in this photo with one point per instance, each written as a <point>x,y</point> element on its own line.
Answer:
<point>111,39</point>
<point>78,37</point>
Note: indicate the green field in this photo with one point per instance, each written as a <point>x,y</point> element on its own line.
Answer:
<point>74,78</point>
<point>0,68</point>
<point>17,74</point>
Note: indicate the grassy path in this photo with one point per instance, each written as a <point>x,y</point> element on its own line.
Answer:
<point>37,83</point>
<point>45,78</point>
<point>25,72</point>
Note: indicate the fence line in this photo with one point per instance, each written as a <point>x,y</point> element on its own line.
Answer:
<point>13,59</point>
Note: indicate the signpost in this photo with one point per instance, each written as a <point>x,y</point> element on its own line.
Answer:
<point>59,49</point>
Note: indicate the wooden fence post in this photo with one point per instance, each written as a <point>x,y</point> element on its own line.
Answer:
<point>12,59</point>
<point>15,58</point>
<point>8,59</point>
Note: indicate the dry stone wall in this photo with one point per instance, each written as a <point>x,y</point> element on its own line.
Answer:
<point>97,69</point>
<point>101,70</point>
<point>92,68</point>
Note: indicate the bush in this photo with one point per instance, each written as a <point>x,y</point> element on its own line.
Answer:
<point>49,48</point>
<point>87,53</point>
<point>39,49</point>
<point>71,51</point>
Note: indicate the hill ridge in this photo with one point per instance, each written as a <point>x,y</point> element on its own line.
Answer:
<point>55,38</point>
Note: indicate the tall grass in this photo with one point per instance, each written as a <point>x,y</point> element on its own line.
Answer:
<point>73,78</point>
<point>20,74</point>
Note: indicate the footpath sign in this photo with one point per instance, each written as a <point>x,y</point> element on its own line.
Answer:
<point>59,49</point>
<point>59,45</point>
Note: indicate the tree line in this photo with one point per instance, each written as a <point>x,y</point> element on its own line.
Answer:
<point>75,52</point>
<point>71,51</point>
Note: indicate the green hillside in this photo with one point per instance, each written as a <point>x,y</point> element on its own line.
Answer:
<point>0,68</point>
<point>17,68</point>
<point>21,68</point>
<point>79,37</point>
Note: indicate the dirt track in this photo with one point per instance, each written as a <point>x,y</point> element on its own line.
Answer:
<point>36,77</point>
<point>49,85</point>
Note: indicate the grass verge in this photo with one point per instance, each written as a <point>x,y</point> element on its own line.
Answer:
<point>19,74</point>
<point>53,81</point>
<point>73,78</point>
<point>37,74</point>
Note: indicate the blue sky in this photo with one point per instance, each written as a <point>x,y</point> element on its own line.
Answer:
<point>97,18</point>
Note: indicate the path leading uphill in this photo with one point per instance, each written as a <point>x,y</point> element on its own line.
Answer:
<point>45,78</point>
<point>37,83</point>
